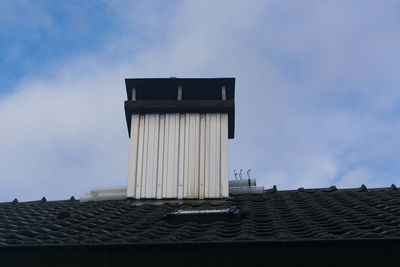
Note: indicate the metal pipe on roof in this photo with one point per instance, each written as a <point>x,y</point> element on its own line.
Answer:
<point>106,193</point>
<point>240,183</point>
<point>252,190</point>
<point>101,197</point>
<point>109,190</point>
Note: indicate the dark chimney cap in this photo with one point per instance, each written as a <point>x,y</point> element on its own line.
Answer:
<point>181,95</point>
<point>192,88</point>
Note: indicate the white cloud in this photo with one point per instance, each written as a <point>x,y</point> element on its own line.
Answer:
<point>316,100</point>
<point>360,175</point>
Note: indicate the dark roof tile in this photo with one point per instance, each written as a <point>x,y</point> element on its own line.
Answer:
<point>303,214</point>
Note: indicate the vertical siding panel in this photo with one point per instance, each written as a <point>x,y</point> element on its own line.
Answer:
<point>165,156</point>
<point>202,154</point>
<point>160,157</point>
<point>181,161</point>
<point>191,156</point>
<point>217,149</point>
<point>196,143</point>
<point>176,156</point>
<point>185,156</point>
<point>139,176</point>
<point>171,156</point>
<point>207,156</point>
<point>133,156</point>
<point>169,182</point>
<point>224,155</point>
<point>213,155</point>
<point>186,166</point>
<point>155,140</point>
<point>150,153</point>
<point>145,154</point>
<point>150,157</point>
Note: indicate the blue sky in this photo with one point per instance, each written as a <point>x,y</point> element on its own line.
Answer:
<point>317,101</point>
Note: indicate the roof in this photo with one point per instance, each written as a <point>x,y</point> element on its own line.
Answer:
<point>295,215</point>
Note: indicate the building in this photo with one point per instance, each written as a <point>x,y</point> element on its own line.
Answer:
<point>179,208</point>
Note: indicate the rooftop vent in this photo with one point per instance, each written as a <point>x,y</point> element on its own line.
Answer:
<point>179,130</point>
<point>107,193</point>
<point>203,215</point>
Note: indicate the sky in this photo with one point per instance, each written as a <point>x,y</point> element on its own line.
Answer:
<point>317,88</point>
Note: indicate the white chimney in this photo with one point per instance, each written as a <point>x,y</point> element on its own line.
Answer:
<point>179,130</point>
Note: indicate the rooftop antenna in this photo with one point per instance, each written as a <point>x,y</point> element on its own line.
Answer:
<point>240,174</point>
<point>248,173</point>
<point>235,173</point>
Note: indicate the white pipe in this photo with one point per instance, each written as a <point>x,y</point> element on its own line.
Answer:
<point>99,198</point>
<point>252,190</point>
<point>106,193</point>
<point>244,182</point>
<point>107,190</point>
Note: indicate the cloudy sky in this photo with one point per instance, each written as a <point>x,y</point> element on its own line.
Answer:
<point>317,88</point>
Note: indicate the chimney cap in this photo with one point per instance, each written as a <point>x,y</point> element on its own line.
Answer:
<point>181,95</point>
<point>192,88</point>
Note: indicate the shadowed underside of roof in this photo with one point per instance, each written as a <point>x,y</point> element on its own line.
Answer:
<point>295,215</point>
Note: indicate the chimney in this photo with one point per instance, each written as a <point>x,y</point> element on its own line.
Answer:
<point>179,130</point>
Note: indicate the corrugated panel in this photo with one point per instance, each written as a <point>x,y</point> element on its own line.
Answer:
<point>178,156</point>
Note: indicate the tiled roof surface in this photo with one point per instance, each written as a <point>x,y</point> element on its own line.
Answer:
<point>319,214</point>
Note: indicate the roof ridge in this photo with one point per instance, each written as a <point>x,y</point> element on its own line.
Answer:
<point>333,188</point>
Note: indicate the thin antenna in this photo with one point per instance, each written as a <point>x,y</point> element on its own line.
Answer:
<point>240,174</point>
<point>248,173</point>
